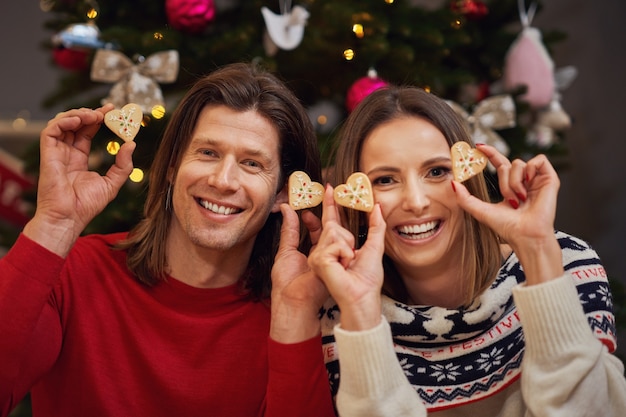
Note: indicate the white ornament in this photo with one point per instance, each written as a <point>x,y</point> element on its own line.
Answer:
<point>286,30</point>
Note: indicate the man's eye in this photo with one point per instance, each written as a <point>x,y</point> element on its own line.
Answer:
<point>208,152</point>
<point>252,164</point>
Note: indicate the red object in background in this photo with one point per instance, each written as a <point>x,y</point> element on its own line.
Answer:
<point>12,186</point>
<point>71,59</point>
<point>362,88</point>
<point>473,9</point>
<point>191,16</point>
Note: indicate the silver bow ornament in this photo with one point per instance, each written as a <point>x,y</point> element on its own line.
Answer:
<point>490,114</point>
<point>135,83</point>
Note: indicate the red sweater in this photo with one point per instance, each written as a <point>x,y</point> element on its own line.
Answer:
<point>91,341</point>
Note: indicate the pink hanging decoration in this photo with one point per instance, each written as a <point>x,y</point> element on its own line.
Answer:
<point>362,88</point>
<point>191,16</point>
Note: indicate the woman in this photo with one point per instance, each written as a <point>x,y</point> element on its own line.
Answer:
<point>477,308</point>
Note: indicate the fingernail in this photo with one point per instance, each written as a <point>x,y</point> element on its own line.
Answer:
<point>453,187</point>
<point>522,197</point>
<point>479,144</point>
<point>513,203</point>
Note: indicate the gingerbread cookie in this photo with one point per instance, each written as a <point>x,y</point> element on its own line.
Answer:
<point>125,122</point>
<point>304,193</point>
<point>466,161</point>
<point>356,193</point>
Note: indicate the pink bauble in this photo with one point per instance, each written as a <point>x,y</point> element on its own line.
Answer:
<point>191,16</point>
<point>361,89</point>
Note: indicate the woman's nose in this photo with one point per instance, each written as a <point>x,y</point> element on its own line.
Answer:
<point>415,196</point>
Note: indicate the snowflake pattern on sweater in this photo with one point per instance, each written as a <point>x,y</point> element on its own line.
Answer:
<point>453,357</point>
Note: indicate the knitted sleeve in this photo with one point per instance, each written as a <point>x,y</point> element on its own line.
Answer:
<point>373,383</point>
<point>569,332</point>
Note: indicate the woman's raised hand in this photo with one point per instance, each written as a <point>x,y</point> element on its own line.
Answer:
<point>353,277</point>
<point>525,217</point>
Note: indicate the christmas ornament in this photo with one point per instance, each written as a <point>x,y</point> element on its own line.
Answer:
<point>473,9</point>
<point>125,122</point>
<point>80,35</point>
<point>527,63</point>
<point>284,30</point>
<point>190,16</point>
<point>356,193</point>
<point>71,59</point>
<point>135,83</point>
<point>493,113</point>
<point>325,115</point>
<point>304,193</point>
<point>552,118</point>
<point>466,161</point>
<point>362,88</point>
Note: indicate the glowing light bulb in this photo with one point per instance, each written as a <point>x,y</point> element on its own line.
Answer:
<point>158,111</point>
<point>348,54</point>
<point>357,28</point>
<point>136,175</point>
<point>113,147</point>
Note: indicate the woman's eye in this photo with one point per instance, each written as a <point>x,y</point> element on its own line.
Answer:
<point>439,172</point>
<point>383,180</point>
<point>208,152</point>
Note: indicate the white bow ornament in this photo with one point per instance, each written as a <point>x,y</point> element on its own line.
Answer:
<point>135,83</point>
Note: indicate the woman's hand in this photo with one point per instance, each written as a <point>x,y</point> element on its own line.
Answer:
<point>69,196</point>
<point>525,217</point>
<point>353,277</point>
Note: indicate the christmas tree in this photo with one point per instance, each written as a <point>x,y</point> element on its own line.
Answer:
<point>335,53</point>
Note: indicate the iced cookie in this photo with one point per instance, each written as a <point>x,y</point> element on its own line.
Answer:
<point>125,122</point>
<point>356,193</point>
<point>304,193</point>
<point>466,161</point>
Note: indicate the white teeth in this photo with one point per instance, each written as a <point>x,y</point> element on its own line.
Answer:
<point>422,228</point>
<point>217,209</point>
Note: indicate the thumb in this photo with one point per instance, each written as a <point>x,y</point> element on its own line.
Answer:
<point>375,244</point>
<point>472,205</point>
<point>289,230</point>
<point>123,166</point>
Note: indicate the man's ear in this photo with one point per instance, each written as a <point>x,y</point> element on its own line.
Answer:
<point>281,197</point>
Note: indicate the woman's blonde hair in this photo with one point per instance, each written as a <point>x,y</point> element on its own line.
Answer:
<point>480,257</point>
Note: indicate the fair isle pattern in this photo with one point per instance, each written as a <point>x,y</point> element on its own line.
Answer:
<point>453,357</point>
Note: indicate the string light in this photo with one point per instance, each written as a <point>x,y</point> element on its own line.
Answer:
<point>348,54</point>
<point>158,111</point>
<point>113,147</point>
<point>158,36</point>
<point>357,28</point>
<point>136,175</point>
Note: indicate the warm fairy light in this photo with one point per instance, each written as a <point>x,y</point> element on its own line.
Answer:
<point>92,13</point>
<point>357,28</point>
<point>113,147</point>
<point>322,119</point>
<point>427,88</point>
<point>158,36</point>
<point>19,123</point>
<point>389,1</point>
<point>456,24</point>
<point>158,111</point>
<point>348,54</point>
<point>136,175</point>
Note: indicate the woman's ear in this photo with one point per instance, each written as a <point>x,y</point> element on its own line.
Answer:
<point>281,197</point>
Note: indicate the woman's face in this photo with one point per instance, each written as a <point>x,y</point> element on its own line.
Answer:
<point>408,162</point>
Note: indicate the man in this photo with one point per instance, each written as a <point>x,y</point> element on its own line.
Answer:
<point>174,317</point>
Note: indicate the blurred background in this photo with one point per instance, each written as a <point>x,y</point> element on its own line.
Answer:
<point>332,53</point>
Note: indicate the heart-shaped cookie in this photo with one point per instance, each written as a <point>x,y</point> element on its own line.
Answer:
<point>356,193</point>
<point>125,122</point>
<point>304,193</point>
<point>466,161</point>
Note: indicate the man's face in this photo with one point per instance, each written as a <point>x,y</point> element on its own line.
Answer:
<point>227,182</point>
